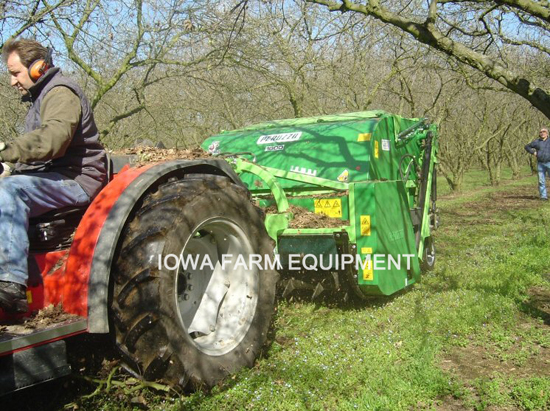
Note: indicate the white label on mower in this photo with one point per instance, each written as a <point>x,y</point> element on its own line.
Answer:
<point>214,148</point>
<point>279,138</point>
<point>303,170</point>
<point>275,148</point>
<point>385,145</point>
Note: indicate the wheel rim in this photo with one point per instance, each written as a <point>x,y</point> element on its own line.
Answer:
<point>215,292</point>
<point>430,254</point>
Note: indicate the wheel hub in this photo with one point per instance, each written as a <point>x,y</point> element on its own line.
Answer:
<point>217,294</point>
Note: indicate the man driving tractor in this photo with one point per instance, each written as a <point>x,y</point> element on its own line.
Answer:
<point>57,162</point>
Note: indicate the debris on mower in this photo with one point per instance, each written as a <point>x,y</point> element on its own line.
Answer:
<point>148,155</point>
<point>303,218</point>
<point>47,316</point>
<point>40,320</point>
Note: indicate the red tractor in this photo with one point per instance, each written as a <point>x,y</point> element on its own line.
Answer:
<point>106,267</point>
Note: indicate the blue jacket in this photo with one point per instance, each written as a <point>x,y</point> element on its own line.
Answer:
<point>542,148</point>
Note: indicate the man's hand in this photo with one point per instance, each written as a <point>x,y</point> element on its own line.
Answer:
<point>5,170</point>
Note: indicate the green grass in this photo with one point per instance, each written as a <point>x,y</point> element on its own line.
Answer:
<point>476,179</point>
<point>472,312</point>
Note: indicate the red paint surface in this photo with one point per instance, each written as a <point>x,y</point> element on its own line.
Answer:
<point>65,274</point>
<point>75,289</point>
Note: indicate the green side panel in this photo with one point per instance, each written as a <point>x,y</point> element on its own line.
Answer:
<point>383,149</point>
<point>387,149</point>
<point>390,234</point>
<point>323,247</point>
<point>334,148</point>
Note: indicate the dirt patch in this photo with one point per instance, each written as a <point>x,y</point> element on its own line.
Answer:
<point>489,210</point>
<point>539,303</point>
<point>449,403</point>
<point>513,198</point>
<point>303,218</point>
<point>473,362</point>
<point>148,155</point>
<point>518,198</point>
<point>284,341</point>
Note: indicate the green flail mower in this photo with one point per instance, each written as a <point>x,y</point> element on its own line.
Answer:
<point>371,172</point>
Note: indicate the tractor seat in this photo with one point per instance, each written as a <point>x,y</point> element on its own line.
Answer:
<point>54,230</point>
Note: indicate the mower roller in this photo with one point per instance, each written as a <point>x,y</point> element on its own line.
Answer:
<point>117,266</point>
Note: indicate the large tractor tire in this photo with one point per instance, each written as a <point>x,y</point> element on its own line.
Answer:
<point>192,326</point>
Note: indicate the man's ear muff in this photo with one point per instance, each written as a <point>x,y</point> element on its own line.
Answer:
<point>40,66</point>
<point>37,69</point>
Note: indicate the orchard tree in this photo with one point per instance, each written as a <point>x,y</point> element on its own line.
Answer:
<point>496,38</point>
<point>120,48</point>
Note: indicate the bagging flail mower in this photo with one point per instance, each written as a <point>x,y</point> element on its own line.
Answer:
<point>372,171</point>
<point>121,266</point>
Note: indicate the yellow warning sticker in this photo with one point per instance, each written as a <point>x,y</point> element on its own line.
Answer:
<point>344,176</point>
<point>331,207</point>
<point>376,149</point>
<point>368,274</point>
<point>364,137</point>
<point>365,225</point>
<point>29,297</point>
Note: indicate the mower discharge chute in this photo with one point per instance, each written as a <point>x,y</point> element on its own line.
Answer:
<point>373,171</point>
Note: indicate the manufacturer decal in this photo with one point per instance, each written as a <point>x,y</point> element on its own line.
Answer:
<point>344,176</point>
<point>386,145</point>
<point>214,148</point>
<point>303,170</point>
<point>280,147</point>
<point>279,138</point>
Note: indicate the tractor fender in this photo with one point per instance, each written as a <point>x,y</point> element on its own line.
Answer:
<point>99,233</point>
